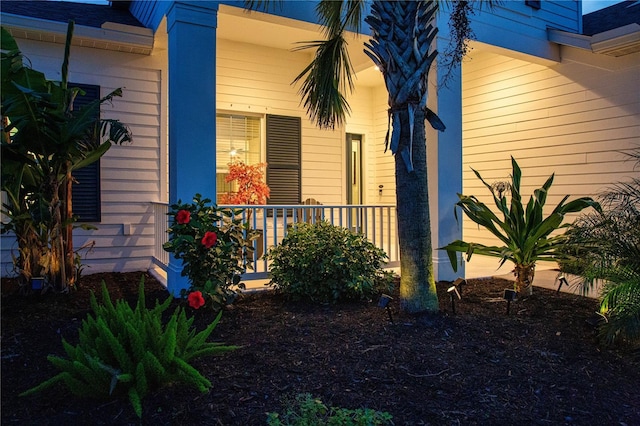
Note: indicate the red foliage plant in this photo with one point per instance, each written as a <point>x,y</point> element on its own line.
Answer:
<point>251,185</point>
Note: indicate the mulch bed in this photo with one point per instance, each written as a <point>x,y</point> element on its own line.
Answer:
<point>541,364</point>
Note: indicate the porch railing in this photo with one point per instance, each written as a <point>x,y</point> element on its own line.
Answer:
<point>376,222</point>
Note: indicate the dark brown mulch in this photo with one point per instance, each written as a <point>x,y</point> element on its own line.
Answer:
<point>540,364</point>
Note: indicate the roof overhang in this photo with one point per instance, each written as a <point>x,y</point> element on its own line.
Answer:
<point>111,36</point>
<point>616,42</point>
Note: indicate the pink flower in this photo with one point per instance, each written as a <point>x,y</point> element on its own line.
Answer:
<point>209,239</point>
<point>195,299</point>
<point>183,217</point>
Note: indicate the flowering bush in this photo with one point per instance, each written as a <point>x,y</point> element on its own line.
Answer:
<point>215,247</point>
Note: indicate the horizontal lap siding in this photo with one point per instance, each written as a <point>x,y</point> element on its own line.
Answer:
<point>572,119</point>
<point>257,79</point>
<point>130,173</point>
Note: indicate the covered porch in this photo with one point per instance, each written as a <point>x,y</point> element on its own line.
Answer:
<point>376,222</point>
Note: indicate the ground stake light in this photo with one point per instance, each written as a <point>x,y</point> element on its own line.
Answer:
<point>459,283</point>
<point>384,303</point>
<point>509,295</point>
<point>562,280</point>
<point>453,292</point>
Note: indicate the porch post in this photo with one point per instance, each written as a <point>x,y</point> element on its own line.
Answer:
<point>191,27</point>
<point>449,104</point>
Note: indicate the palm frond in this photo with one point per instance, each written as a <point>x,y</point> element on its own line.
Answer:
<point>325,80</point>
<point>329,76</point>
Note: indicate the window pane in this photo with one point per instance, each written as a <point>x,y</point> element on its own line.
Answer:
<point>237,137</point>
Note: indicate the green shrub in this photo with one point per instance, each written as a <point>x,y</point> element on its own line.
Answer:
<point>308,411</point>
<point>123,351</point>
<point>327,263</point>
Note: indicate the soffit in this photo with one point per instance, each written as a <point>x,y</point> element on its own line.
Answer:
<point>111,36</point>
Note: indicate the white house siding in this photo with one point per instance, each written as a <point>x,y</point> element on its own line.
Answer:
<point>573,119</point>
<point>131,174</point>
<point>514,25</point>
<point>257,79</point>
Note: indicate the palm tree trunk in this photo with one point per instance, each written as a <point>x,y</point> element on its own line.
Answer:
<point>524,278</point>
<point>417,284</point>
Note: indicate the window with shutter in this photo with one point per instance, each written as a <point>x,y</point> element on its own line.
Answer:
<point>284,140</point>
<point>86,188</point>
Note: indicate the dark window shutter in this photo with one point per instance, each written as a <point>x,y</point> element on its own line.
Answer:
<point>85,192</point>
<point>284,140</point>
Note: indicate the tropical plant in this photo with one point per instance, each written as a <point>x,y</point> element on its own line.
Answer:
<point>326,263</point>
<point>305,410</point>
<point>215,247</point>
<point>43,141</point>
<point>605,247</point>
<point>523,230</point>
<point>124,351</point>
<point>403,49</point>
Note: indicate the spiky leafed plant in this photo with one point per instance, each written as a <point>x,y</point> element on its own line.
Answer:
<point>606,247</point>
<point>402,47</point>
<point>524,231</point>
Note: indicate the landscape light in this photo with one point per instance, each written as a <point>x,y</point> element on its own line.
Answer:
<point>453,291</point>
<point>384,303</point>
<point>459,283</point>
<point>562,280</point>
<point>509,295</point>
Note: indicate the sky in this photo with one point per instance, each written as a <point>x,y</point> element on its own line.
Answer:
<point>587,5</point>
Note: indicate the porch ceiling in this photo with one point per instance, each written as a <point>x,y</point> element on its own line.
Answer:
<point>283,33</point>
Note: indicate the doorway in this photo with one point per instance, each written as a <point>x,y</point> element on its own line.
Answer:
<point>354,177</point>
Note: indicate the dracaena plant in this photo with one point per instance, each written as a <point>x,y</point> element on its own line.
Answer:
<point>524,230</point>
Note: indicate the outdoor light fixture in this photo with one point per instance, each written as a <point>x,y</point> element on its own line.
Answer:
<point>37,283</point>
<point>459,283</point>
<point>509,295</point>
<point>384,303</point>
<point>562,280</point>
<point>453,291</point>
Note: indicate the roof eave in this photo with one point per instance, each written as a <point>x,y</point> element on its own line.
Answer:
<point>112,36</point>
<point>616,42</point>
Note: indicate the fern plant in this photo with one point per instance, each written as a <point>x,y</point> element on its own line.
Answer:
<point>125,351</point>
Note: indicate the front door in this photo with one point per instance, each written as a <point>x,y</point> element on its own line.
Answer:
<point>354,177</point>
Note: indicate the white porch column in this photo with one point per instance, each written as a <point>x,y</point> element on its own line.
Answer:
<point>448,105</point>
<point>449,173</point>
<point>191,27</point>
